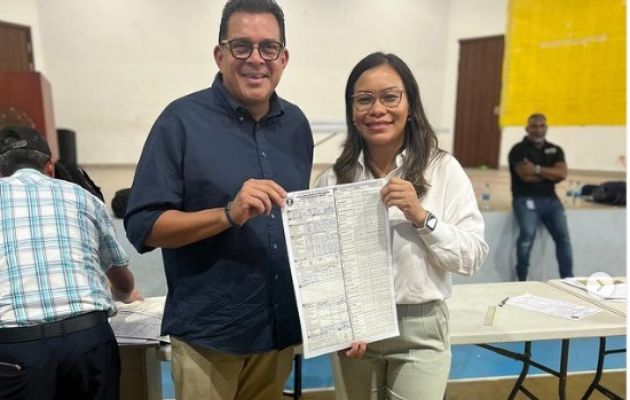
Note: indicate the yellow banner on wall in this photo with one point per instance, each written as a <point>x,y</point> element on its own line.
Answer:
<point>565,59</point>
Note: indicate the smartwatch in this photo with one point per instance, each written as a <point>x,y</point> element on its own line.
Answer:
<point>430,222</point>
<point>537,169</point>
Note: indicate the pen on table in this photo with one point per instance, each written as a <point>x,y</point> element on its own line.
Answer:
<point>502,303</point>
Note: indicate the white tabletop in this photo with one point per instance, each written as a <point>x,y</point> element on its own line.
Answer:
<point>469,304</point>
<point>618,307</point>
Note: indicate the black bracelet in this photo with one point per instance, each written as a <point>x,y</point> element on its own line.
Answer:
<point>228,214</point>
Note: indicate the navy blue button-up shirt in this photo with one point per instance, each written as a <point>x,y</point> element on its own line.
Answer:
<point>233,291</point>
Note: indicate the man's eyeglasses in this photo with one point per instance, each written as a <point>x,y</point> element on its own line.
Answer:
<point>241,49</point>
<point>390,98</point>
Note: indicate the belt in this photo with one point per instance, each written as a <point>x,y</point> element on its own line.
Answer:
<point>52,329</point>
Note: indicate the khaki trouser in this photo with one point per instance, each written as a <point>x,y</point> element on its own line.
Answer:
<point>414,365</point>
<point>202,373</point>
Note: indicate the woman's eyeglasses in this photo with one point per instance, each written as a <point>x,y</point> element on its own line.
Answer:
<point>390,98</point>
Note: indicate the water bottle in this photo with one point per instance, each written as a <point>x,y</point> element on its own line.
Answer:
<point>569,193</point>
<point>577,194</point>
<point>485,198</point>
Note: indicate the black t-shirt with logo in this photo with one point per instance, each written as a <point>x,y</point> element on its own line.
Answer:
<point>546,156</point>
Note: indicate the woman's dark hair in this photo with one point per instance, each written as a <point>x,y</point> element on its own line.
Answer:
<point>75,174</point>
<point>420,141</point>
<point>254,7</point>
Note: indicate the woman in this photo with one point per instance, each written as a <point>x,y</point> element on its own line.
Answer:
<point>436,228</point>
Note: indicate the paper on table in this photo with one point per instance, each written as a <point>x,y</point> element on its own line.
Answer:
<point>139,321</point>
<point>553,307</point>
<point>618,292</point>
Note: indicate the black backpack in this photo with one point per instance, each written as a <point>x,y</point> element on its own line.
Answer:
<point>613,192</point>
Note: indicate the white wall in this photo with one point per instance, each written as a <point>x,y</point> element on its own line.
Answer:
<point>115,64</point>
<point>598,148</point>
<point>328,37</point>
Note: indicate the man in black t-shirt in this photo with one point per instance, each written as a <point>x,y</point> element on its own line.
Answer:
<point>535,167</point>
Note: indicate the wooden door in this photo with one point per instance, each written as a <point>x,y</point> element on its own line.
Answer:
<point>477,134</point>
<point>16,47</point>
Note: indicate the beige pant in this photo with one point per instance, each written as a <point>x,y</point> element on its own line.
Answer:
<point>414,365</point>
<point>201,373</point>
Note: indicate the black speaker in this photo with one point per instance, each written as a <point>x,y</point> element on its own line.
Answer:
<point>66,139</point>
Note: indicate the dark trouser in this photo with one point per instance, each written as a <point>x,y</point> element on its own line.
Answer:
<point>83,365</point>
<point>529,211</point>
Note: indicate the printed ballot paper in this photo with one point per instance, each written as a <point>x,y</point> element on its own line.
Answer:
<point>554,307</point>
<point>339,248</point>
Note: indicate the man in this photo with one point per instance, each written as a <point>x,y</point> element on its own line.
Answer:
<point>57,252</point>
<point>535,167</point>
<point>208,189</point>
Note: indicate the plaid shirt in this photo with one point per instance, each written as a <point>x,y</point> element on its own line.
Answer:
<point>56,243</point>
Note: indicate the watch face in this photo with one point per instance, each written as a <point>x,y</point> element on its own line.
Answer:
<point>431,222</point>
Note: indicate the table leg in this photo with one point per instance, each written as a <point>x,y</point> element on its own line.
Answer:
<point>598,373</point>
<point>297,385</point>
<point>562,375</point>
<point>525,358</point>
<point>296,393</point>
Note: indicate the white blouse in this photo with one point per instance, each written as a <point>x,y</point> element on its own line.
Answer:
<point>423,261</point>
